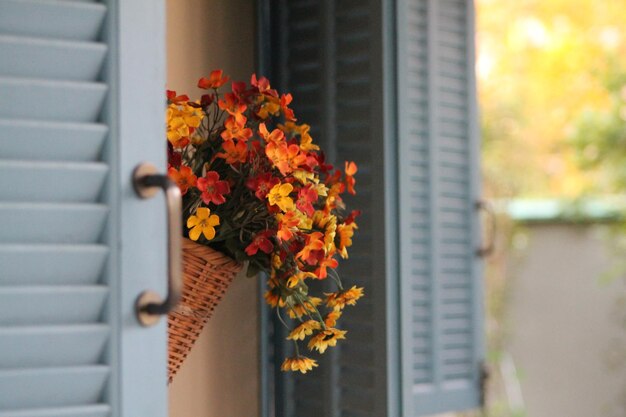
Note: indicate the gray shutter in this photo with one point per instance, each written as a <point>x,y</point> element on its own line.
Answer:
<point>61,304</point>
<point>390,86</point>
<point>440,277</point>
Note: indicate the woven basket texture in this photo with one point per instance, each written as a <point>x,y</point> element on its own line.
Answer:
<point>207,274</point>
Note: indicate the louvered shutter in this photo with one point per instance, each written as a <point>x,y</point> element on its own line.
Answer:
<point>74,251</point>
<point>440,274</point>
<point>390,86</point>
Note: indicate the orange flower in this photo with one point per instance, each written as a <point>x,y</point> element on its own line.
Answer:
<point>313,251</point>
<point>350,181</point>
<point>277,136</point>
<point>233,153</point>
<point>328,262</point>
<point>236,128</point>
<point>285,157</point>
<point>287,224</point>
<point>331,318</point>
<point>215,80</point>
<point>184,178</point>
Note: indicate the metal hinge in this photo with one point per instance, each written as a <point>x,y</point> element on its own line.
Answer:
<point>484,380</point>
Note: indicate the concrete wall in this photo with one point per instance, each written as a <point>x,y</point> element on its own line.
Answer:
<point>567,331</point>
<point>219,377</point>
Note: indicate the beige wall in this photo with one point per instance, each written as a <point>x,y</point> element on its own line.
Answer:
<point>567,342</point>
<point>219,377</point>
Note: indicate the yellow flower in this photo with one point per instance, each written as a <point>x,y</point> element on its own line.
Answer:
<point>305,177</point>
<point>273,298</point>
<point>338,300</point>
<point>304,329</point>
<point>331,318</point>
<point>321,189</point>
<point>299,363</point>
<point>327,223</point>
<point>202,223</point>
<point>279,196</point>
<point>346,231</point>
<point>308,306</point>
<point>304,221</point>
<point>296,278</point>
<point>325,338</point>
<point>271,107</point>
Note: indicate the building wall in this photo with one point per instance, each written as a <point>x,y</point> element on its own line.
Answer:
<point>219,377</point>
<point>567,329</point>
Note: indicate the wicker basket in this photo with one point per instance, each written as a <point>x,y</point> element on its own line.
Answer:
<point>207,274</point>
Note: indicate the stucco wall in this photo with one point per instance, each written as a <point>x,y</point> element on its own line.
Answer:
<point>219,377</point>
<point>567,330</point>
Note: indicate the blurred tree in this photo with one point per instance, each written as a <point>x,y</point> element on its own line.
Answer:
<point>542,67</point>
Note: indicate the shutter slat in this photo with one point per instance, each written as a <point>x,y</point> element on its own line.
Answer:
<point>76,345</point>
<point>96,410</point>
<point>51,100</point>
<point>64,264</point>
<point>51,141</point>
<point>41,58</point>
<point>51,223</point>
<point>29,305</point>
<point>51,19</point>
<point>52,387</point>
<point>30,181</point>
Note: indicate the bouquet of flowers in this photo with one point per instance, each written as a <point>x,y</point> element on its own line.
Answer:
<point>257,188</point>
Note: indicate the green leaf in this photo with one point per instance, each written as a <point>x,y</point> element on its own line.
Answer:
<point>253,270</point>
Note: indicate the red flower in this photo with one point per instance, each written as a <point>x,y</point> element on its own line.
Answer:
<point>231,104</point>
<point>215,80</point>
<point>262,242</point>
<point>206,100</point>
<point>306,197</point>
<point>262,184</point>
<point>212,189</point>
<point>321,160</point>
<point>262,85</point>
<point>353,215</point>
<point>173,98</point>
<point>285,99</point>
<point>174,158</point>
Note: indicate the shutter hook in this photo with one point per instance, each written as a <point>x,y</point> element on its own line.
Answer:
<point>488,248</point>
